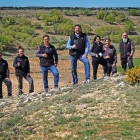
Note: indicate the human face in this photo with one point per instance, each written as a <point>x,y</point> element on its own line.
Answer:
<point>77,30</point>
<point>97,39</point>
<point>107,43</point>
<point>124,35</point>
<point>46,40</point>
<point>20,52</point>
<point>0,56</point>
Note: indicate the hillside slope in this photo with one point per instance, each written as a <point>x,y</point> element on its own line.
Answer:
<point>107,108</point>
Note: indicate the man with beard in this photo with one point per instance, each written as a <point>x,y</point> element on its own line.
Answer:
<point>22,69</point>
<point>78,46</point>
<point>126,49</point>
<point>4,76</point>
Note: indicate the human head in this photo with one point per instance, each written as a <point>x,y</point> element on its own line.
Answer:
<point>46,39</point>
<point>107,41</point>
<point>124,37</point>
<point>0,55</point>
<point>20,51</point>
<point>97,39</point>
<point>77,29</point>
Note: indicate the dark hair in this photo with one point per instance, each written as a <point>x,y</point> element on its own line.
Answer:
<point>107,38</point>
<point>46,36</point>
<point>96,38</point>
<point>78,25</point>
<point>20,48</point>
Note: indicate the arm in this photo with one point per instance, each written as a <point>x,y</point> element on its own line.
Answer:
<point>132,48</point>
<point>68,44</point>
<point>115,56</point>
<point>90,50</point>
<point>38,53</point>
<point>56,56</point>
<point>87,46</point>
<point>28,66</point>
<point>15,63</point>
<point>7,70</point>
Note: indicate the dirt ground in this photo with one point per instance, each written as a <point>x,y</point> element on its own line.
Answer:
<point>64,68</point>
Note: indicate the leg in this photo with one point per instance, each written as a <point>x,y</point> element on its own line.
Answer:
<point>87,67</point>
<point>9,86</point>
<point>54,70</point>
<point>1,89</point>
<point>73,60</point>
<point>20,83</point>
<point>45,77</point>
<point>109,68</point>
<point>104,65</point>
<point>31,84</point>
<point>130,63</point>
<point>123,63</point>
<point>95,67</point>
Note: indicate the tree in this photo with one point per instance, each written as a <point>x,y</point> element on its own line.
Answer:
<point>132,12</point>
<point>28,30</point>
<point>66,12</point>
<point>22,21</point>
<point>47,29</point>
<point>87,12</point>
<point>110,18</point>
<point>101,14</point>
<point>53,39</point>
<point>37,25</point>
<point>74,12</point>
<point>37,41</point>
<point>37,15</point>
<point>120,18</point>
<point>11,21</point>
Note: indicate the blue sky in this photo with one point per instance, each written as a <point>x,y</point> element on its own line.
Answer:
<point>71,3</point>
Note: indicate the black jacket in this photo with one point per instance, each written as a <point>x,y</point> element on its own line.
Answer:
<point>4,71</point>
<point>24,67</point>
<point>80,44</point>
<point>96,49</point>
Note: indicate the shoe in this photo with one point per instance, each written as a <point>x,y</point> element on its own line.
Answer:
<point>31,91</point>
<point>9,94</point>
<point>20,93</point>
<point>88,80</point>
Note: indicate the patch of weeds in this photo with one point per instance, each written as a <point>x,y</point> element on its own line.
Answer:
<point>86,100</point>
<point>1,115</point>
<point>62,120</point>
<point>27,133</point>
<point>87,124</point>
<point>11,122</point>
<point>70,109</point>
<point>74,119</point>
<point>88,132</point>
<point>126,133</point>
<point>73,124</point>
<point>133,116</point>
<point>68,137</point>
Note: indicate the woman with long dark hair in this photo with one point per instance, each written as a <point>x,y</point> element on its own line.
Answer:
<point>96,51</point>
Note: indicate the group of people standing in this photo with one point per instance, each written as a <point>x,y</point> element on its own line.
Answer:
<point>79,48</point>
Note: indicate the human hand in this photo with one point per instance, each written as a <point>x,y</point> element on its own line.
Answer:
<point>55,65</point>
<point>18,63</point>
<point>44,55</point>
<point>97,56</point>
<point>7,78</point>
<point>74,46</point>
<point>107,57</point>
<point>84,56</point>
<point>114,65</point>
<point>28,74</point>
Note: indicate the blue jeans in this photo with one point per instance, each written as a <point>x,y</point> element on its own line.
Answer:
<point>53,69</point>
<point>73,60</point>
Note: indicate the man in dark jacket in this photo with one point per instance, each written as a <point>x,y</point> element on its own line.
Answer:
<point>78,46</point>
<point>22,69</point>
<point>4,76</point>
<point>46,52</point>
<point>126,49</point>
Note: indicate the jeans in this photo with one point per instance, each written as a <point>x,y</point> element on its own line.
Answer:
<point>53,69</point>
<point>124,62</point>
<point>73,60</point>
<point>9,87</point>
<point>20,83</point>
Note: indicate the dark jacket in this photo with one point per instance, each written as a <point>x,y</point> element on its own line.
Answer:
<point>24,67</point>
<point>4,71</point>
<point>49,60</point>
<point>96,49</point>
<point>124,48</point>
<point>80,44</point>
<point>110,51</point>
